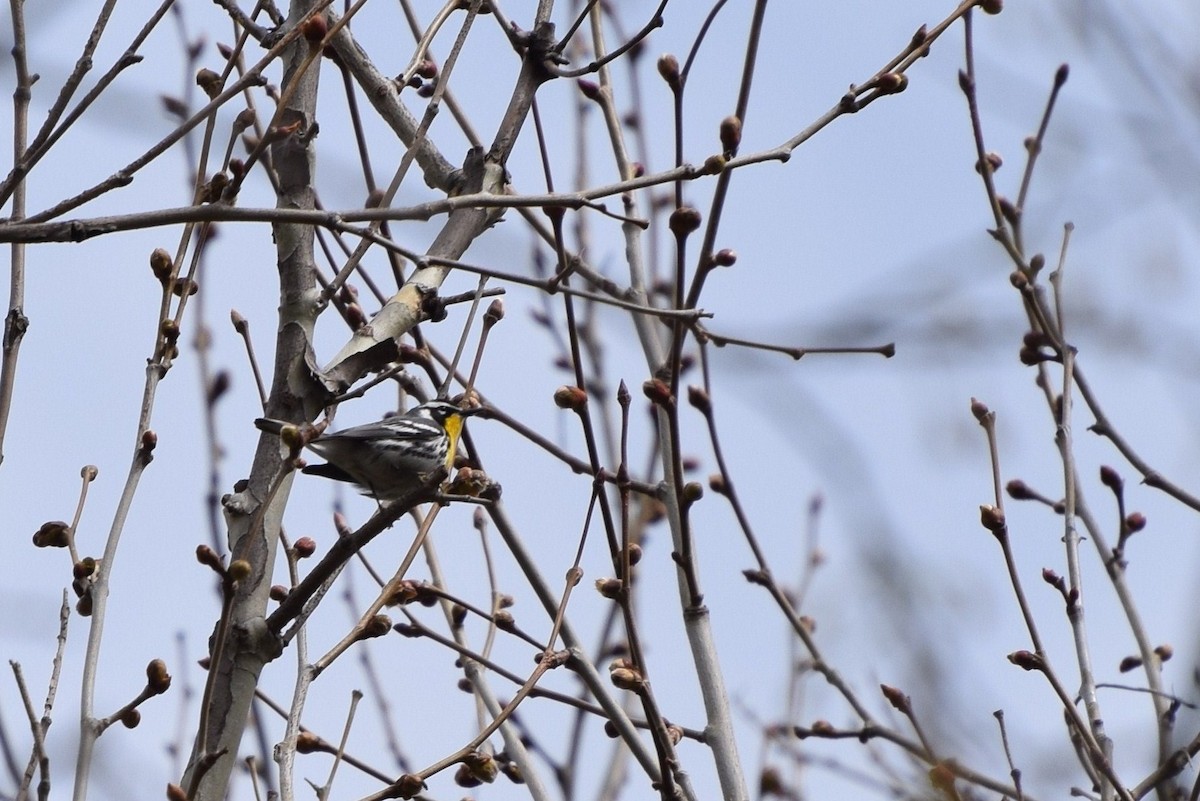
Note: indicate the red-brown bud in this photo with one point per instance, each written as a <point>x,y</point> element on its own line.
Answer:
<point>568,397</point>
<point>1018,490</point>
<point>54,534</point>
<point>184,287</point>
<point>668,68</point>
<point>1110,478</point>
<point>610,588</point>
<point>377,626</point>
<point>308,743</point>
<point>658,392</point>
<point>992,160</point>
<point>891,83</point>
<point>899,701</point>
<point>161,264</point>
<point>1027,660</point>
<point>713,165</point>
<point>626,678</point>
<point>726,257</point>
<point>427,69</point>
<point>1129,663</point>
<point>208,557</point>
<point>408,786</point>
<point>731,134</point>
<point>992,518</point>
<point>494,313</point>
<point>980,410</point>
<point>482,766</point>
<point>464,778</point>
<point>209,82</point>
<point>158,680</point>
<point>684,220</point>
<point>314,29</point>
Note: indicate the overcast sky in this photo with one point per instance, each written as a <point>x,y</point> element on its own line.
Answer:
<point>874,232</point>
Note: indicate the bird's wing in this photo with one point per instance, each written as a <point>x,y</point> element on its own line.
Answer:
<point>400,428</point>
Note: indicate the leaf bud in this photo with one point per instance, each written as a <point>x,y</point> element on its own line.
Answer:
<point>377,626</point>
<point>569,397</point>
<point>668,68</point>
<point>892,83</point>
<point>54,534</point>
<point>314,29</point>
<point>464,778</point>
<point>494,313</point>
<point>161,264</point>
<point>610,588</point>
<point>725,257</point>
<point>992,160</point>
<point>658,392</point>
<point>992,518</point>
<point>427,69</point>
<point>980,410</point>
<point>1110,478</point>
<point>684,220</point>
<point>408,786</point>
<point>1018,490</point>
<point>1129,663</point>
<point>590,89</point>
<point>308,743</point>
<point>713,165</point>
<point>209,82</point>
<point>731,134</point>
<point>626,678</point>
<point>158,680</point>
<point>1026,660</point>
<point>899,701</point>
<point>208,557</point>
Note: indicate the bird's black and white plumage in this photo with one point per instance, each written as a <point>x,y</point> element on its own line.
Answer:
<point>388,458</point>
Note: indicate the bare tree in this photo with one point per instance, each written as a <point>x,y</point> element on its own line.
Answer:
<point>305,107</point>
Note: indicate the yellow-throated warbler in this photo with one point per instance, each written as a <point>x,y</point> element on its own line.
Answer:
<point>387,459</point>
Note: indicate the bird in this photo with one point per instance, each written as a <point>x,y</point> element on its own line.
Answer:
<point>389,458</point>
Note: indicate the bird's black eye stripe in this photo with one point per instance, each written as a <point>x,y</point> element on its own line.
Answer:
<point>441,410</point>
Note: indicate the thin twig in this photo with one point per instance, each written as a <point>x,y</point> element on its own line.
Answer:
<point>1033,147</point>
<point>15,322</point>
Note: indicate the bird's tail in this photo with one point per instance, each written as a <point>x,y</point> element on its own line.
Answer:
<point>270,426</point>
